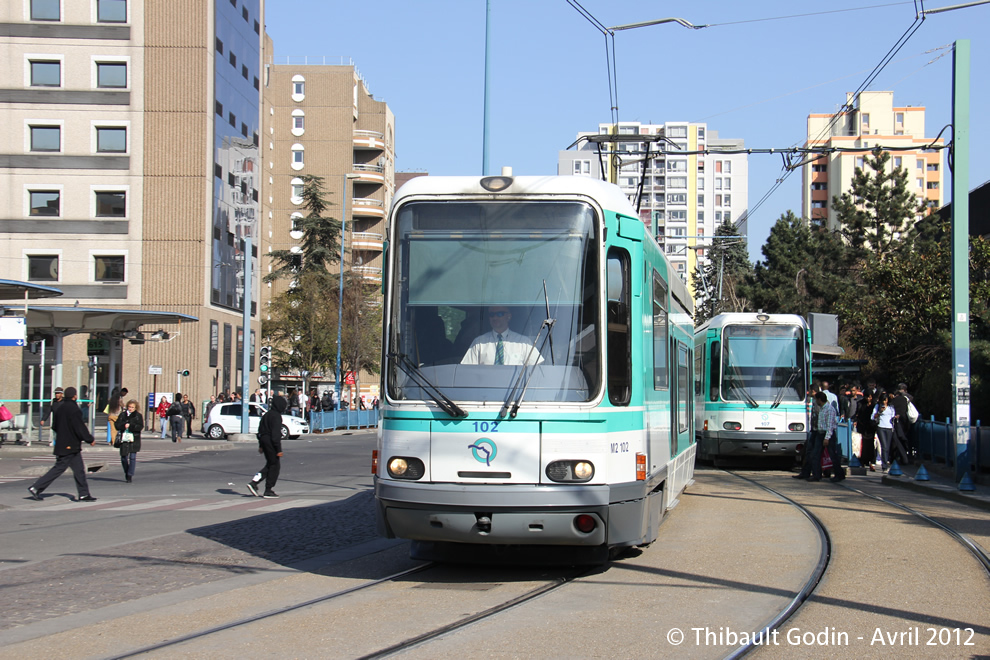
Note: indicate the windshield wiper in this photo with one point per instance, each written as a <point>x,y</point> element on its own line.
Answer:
<point>438,397</point>
<point>733,384</point>
<point>547,323</point>
<point>780,395</point>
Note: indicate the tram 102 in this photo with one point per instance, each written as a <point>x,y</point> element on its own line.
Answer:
<point>537,356</point>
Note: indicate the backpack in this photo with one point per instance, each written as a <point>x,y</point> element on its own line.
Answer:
<point>912,413</point>
<point>175,408</point>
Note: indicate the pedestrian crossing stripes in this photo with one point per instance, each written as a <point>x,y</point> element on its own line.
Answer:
<point>143,455</point>
<point>254,504</point>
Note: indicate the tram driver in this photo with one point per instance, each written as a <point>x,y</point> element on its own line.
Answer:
<point>501,345</point>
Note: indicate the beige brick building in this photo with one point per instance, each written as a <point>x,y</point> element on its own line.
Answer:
<point>320,119</point>
<point>129,167</point>
<point>873,121</point>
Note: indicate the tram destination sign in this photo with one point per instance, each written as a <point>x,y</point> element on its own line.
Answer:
<point>13,331</point>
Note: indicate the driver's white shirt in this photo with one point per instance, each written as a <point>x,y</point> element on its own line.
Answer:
<point>516,348</point>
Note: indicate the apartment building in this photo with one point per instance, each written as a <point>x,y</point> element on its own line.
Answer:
<point>870,120</point>
<point>130,165</point>
<point>681,195</point>
<point>321,119</point>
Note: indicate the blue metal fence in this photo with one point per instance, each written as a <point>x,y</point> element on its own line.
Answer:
<point>342,419</point>
<point>935,442</point>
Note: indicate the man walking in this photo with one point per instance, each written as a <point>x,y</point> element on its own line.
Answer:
<point>270,444</point>
<point>70,433</point>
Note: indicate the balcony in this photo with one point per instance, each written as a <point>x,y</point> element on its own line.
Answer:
<point>368,174</point>
<point>369,141</point>
<point>366,240</point>
<point>364,207</point>
<point>369,272</point>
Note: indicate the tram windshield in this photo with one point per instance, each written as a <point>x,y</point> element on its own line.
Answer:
<point>763,363</point>
<point>490,295</point>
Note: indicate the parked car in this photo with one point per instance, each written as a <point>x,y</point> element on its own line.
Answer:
<point>225,419</point>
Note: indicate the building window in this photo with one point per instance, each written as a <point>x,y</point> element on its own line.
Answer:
<point>46,10</point>
<point>727,167</point>
<point>718,183</point>
<point>701,166</point>
<point>897,161</point>
<point>899,117</point>
<point>718,217</point>
<point>43,267</point>
<point>111,11</point>
<point>45,202</point>
<point>718,200</point>
<point>297,191</point>
<point>819,186</point>
<point>819,168</point>
<point>298,156</point>
<point>219,47</point>
<point>866,121</point>
<point>109,268</point>
<point>232,119</point>
<point>111,139</point>
<point>701,200</point>
<point>677,182</point>
<point>921,183</point>
<point>727,216</point>
<point>932,167</point>
<point>676,216</point>
<point>819,204</point>
<point>921,164</point>
<point>727,200</point>
<point>701,133</point>
<point>932,185</point>
<point>244,13</point>
<point>219,108</point>
<point>111,74</point>
<point>46,138</point>
<point>111,204</point>
<point>677,166</point>
<point>46,73</point>
<point>677,198</point>
<point>298,88</point>
<point>701,218</point>
<point>701,183</point>
<point>233,59</point>
<point>244,72</point>
<point>677,132</point>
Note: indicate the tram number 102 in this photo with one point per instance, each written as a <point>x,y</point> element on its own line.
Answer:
<point>620,447</point>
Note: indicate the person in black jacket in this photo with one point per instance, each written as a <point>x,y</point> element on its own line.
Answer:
<point>70,433</point>
<point>130,420</point>
<point>269,444</point>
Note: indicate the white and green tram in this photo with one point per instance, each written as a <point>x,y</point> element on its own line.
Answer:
<point>752,374</point>
<point>582,435</point>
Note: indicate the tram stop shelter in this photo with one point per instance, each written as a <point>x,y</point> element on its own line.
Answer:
<point>60,322</point>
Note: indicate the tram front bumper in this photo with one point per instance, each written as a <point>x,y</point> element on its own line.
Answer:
<point>496,516</point>
<point>743,443</point>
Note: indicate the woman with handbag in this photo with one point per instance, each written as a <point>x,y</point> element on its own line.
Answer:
<point>129,424</point>
<point>883,415</point>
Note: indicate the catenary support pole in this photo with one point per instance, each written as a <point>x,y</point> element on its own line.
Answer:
<point>960,255</point>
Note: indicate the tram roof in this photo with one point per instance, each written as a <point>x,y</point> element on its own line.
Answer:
<point>609,195</point>
<point>729,318</point>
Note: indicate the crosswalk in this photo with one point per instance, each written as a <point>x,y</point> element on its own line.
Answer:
<point>103,456</point>
<point>125,505</point>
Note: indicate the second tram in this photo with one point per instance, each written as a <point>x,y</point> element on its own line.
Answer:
<point>537,369</point>
<point>752,374</point>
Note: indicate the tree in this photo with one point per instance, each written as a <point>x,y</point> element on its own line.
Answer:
<point>878,209</point>
<point>302,324</point>
<point>804,269</point>
<point>361,341</point>
<point>716,284</point>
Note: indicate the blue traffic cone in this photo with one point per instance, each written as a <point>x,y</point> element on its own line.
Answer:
<point>854,461</point>
<point>966,484</point>
<point>922,474</point>
<point>895,470</point>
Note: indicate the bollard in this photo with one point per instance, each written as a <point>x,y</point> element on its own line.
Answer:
<point>895,470</point>
<point>966,484</point>
<point>922,474</point>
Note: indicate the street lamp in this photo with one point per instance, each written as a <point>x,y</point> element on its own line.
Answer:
<point>340,290</point>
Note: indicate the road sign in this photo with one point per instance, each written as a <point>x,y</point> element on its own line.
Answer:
<point>13,331</point>
<point>154,370</point>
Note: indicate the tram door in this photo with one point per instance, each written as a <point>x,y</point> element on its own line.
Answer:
<point>680,397</point>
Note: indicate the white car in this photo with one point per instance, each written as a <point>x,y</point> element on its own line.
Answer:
<point>225,418</point>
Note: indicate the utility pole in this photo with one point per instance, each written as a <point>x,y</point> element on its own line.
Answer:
<point>960,256</point>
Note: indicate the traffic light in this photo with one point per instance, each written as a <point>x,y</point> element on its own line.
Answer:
<point>183,372</point>
<point>265,360</point>
<point>262,379</point>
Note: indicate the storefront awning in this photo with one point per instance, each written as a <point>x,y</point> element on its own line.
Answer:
<point>16,290</point>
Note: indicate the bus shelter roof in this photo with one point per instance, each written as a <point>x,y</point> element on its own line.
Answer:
<point>16,290</point>
<point>72,320</point>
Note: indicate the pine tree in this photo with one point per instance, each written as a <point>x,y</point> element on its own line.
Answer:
<point>319,246</point>
<point>878,210</point>
<point>716,284</point>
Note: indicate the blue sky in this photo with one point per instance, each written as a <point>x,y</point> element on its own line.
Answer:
<point>747,78</point>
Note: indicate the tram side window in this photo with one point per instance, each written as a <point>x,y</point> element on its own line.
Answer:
<point>716,369</point>
<point>619,337</point>
<point>698,373</point>
<point>683,389</point>
<point>660,375</point>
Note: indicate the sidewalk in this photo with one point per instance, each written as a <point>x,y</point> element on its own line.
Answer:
<point>941,483</point>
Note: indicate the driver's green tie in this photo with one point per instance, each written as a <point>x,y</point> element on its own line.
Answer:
<point>499,351</point>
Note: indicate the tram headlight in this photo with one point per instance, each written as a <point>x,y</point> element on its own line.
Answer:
<point>570,471</point>
<point>732,426</point>
<point>797,426</point>
<point>405,467</point>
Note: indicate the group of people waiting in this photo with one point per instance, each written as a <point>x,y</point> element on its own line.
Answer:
<point>882,418</point>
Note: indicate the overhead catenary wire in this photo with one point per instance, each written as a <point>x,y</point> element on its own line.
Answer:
<point>613,82</point>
